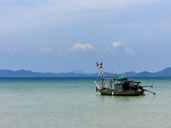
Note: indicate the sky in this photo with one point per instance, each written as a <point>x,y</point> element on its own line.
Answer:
<point>72,35</point>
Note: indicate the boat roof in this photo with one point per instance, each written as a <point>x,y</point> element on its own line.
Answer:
<point>121,78</point>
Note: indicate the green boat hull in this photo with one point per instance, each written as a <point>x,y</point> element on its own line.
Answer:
<point>125,93</point>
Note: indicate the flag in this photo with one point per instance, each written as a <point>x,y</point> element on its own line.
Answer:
<point>104,85</point>
<point>97,89</point>
<point>101,66</point>
<point>99,73</point>
<point>97,64</point>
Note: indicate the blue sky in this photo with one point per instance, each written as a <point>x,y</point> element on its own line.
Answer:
<point>64,35</point>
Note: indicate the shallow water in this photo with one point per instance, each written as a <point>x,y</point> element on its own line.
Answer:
<point>73,103</point>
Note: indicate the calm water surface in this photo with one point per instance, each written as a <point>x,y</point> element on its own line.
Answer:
<point>73,103</point>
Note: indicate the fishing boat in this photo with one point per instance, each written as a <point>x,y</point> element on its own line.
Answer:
<point>120,86</point>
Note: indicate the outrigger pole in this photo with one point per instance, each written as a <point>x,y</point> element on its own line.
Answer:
<point>149,91</point>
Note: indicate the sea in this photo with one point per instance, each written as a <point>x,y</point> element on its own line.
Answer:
<point>74,103</point>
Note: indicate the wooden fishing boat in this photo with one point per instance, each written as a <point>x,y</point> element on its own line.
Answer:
<point>120,86</point>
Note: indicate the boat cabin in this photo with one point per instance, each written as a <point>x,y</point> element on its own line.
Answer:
<point>122,84</point>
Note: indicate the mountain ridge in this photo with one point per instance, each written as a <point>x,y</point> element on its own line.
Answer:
<point>27,73</point>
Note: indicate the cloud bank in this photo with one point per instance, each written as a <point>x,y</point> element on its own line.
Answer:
<point>17,15</point>
<point>118,44</point>
<point>79,46</point>
<point>123,45</point>
<point>46,50</point>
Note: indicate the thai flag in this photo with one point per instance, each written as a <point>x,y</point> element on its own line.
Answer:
<point>97,89</point>
<point>101,66</point>
<point>97,64</point>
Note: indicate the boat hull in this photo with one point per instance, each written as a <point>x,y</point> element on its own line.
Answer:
<point>125,93</point>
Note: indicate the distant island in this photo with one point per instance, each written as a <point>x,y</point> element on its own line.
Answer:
<point>26,73</point>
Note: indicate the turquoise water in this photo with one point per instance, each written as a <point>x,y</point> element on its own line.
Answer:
<point>73,103</point>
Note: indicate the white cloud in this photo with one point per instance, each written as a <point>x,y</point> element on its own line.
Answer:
<point>50,51</point>
<point>14,50</point>
<point>46,50</point>
<point>79,46</point>
<point>128,50</point>
<point>118,44</point>
<point>124,46</point>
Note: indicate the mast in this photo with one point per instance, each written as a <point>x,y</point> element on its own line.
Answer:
<point>111,80</point>
<point>101,73</point>
<point>110,84</point>
<point>102,78</point>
